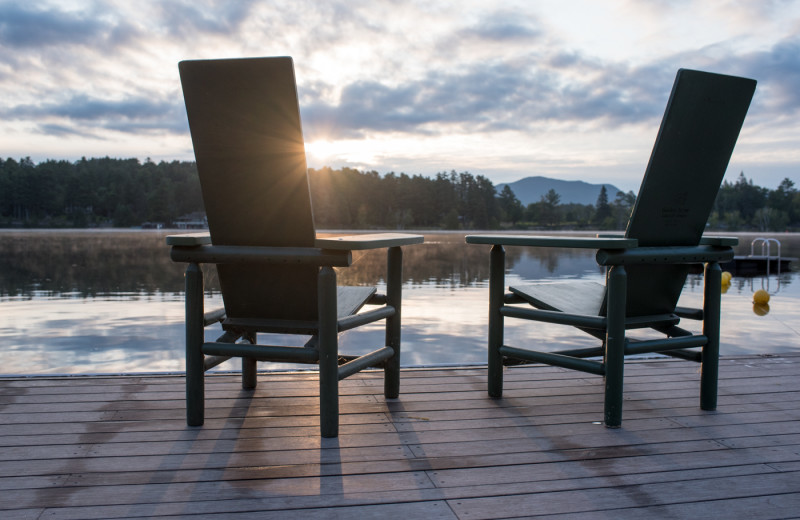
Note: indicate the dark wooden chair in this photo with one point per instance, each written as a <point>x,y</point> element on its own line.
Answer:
<point>275,275</point>
<point>647,267</point>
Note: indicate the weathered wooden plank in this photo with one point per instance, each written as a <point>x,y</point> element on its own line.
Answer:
<point>782,506</point>
<point>23,514</point>
<point>772,439</point>
<point>241,426</point>
<point>511,444</point>
<point>719,463</point>
<point>260,509</point>
<point>73,492</point>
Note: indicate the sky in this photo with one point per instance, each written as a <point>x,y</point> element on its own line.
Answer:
<point>570,89</point>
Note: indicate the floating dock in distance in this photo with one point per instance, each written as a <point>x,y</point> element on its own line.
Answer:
<point>756,265</point>
<point>765,263</point>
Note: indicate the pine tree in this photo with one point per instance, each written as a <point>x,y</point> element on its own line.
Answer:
<point>602,209</point>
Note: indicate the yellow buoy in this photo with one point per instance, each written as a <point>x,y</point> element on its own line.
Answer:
<point>760,297</point>
<point>726,277</point>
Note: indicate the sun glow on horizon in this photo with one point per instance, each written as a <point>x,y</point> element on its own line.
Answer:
<point>321,150</point>
<point>359,153</point>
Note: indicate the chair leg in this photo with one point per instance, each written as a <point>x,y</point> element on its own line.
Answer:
<point>496,289</point>
<point>328,354</point>
<point>195,372</point>
<point>615,345</point>
<point>394,297</point>
<point>712,300</point>
<point>249,367</point>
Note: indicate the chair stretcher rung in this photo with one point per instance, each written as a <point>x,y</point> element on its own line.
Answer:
<point>560,360</point>
<point>582,352</point>
<point>689,313</point>
<point>689,355</point>
<point>213,316</point>
<point>589,322</point>
<point>661,345</point>
<point>210,362</point>
<point>365,361</point>
<point>356,320</point>
<point>262,352</point>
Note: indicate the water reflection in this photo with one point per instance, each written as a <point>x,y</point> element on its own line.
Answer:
<point>86,264</point>
<point>111,301</point>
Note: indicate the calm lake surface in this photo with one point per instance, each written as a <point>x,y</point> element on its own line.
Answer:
<point>88,302</point>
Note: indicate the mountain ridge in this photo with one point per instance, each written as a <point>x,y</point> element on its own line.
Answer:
<point>531,189</point>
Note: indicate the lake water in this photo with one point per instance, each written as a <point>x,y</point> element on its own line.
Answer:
<point>88,302</point>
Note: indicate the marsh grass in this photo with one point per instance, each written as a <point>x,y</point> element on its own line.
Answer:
<point>86,263</point>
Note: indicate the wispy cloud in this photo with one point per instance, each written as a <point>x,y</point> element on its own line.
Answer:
<point>192,19</point>
<point>30,28</point>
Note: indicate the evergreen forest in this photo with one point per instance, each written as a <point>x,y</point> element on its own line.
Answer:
<point>107,192</point>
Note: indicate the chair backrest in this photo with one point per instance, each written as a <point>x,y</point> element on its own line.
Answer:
<point>701,123</point>
<point>248,143</point>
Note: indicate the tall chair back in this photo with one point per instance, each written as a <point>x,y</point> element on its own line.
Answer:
<point>248,141</point>
<point>700,127</point>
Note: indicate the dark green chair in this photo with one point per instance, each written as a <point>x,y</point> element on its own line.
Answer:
<point>647,267</point>
<point>275,275</point>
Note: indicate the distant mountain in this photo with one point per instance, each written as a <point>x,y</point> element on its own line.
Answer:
<point>531,189</point>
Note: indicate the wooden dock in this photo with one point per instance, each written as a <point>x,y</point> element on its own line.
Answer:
<point>118,447</point>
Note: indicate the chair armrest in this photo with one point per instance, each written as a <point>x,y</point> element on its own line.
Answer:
<point>210,254</point>
<point>704,240</point>
<point>689,313</point>
<point>371,241</point>
<point>189,239</point>
<point>665,255</point>
<point>548,241</point>
<point>719,241</point>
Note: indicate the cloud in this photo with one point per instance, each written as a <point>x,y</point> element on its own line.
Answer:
<point>503,27</point>
<point>63,131</point>
<point>82,107</point>
<point>86,115</point>
<point>24,28</point>
<point>550,86</point>
<point>778,73</point>
<point>496,97</point>
<point>194,19</point>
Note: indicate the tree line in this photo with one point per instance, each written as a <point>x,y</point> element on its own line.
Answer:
<point>96,192</point>
<point>105,192</point>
